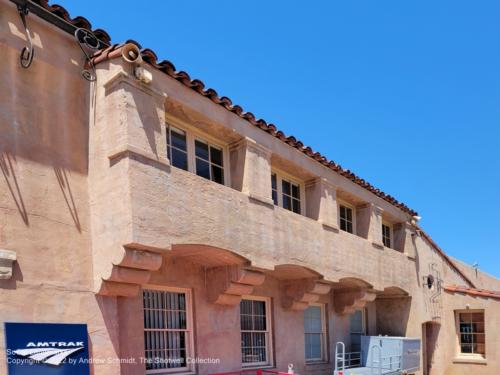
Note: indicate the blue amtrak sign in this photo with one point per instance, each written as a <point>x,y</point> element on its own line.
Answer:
<point>47,349</point>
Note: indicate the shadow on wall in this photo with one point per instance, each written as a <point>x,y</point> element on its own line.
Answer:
<point>44,110</point>
<point>12,183</point>
<point>62,179</point>
<point>392,315</point>
<point>430,333</point>
<point>417,260</point>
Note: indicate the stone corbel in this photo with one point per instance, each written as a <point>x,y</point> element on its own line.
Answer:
<point>7,259</point>
<point>349,301</point>
<point>299,294</point>
<point>133,270</point>
<point>227,284</point>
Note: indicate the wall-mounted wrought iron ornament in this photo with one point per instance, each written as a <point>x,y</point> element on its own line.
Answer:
<point>27,53</point>
<point>87,39</point>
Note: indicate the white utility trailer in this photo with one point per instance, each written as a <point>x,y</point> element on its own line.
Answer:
<point>380,355</point>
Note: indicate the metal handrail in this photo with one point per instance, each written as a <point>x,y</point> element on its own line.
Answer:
<point>342,356</point>
<point>353,359</point>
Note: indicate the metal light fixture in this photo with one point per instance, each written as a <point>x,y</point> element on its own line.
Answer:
<point>27,53</point>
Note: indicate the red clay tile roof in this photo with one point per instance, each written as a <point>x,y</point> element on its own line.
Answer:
<point>446,257</point>
<point>197,85</point>
<point>78,21</point>
<point>472,291</point>
<point>167,67</point>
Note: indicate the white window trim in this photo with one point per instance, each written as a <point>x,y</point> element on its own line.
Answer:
<point>269,331</point>
<point>391,234</point>
<point>324,341</point>
<point>280,176</point>
<point>353,208</point>
<point>193,134</point>
<point>189,369</point>
<point>459,354</point>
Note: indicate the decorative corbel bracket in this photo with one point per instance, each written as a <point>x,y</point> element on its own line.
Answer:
<point>349,301</point>
<point>299,294</point>
<point>133,270</point>
<point>7,259</point>
<point>227,284</point>
<point>28,52</point>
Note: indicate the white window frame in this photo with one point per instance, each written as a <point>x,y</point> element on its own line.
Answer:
<point>353,209</point>
<point>192,135</point>
<point>269,334</point>
<point>324,336</point>
<point>457,327</point>
<point>280,176</point>
<point>189,368</point>
<point>391,234</point>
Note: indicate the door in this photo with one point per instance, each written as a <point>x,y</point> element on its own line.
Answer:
<point>430,332</point>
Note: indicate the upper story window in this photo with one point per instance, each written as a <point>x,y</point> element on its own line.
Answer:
<point>177,147</point>
<point>471,333</point>
<point>315,333</point>
<point>168,334</point>
<point>346,217</point>
<point>255,327</point>
<point>286,193</point>
<point>274,187</point>
<point>191,151</point>
<point>387,234</point>
<point>209,161</point>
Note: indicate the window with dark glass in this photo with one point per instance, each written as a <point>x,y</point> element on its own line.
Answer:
<point>290,196</point>
<point>254,332</point>
<point>346,221</point>
<point>274,187</point>
<point>177,148</point>
<point>472,333</point>
<point>386,235</point>
<point>209,161</point>
<point>357,329</point>
<point>167,333</point>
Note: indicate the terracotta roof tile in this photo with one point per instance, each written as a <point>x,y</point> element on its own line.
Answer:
<point>472,291</point>
<point>446,257</point>
<point>78,21</point>
<point>197,85</point>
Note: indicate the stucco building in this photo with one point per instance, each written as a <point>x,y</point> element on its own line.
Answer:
<point>177,225</point>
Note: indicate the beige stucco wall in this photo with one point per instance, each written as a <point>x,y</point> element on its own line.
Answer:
<point>68,210</point>
<point>44,204</point>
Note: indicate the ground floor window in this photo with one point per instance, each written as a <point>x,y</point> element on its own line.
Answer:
<point>167,330</point>
<point>315,333</point>
<point>358,329</point>
<point>255,331</point>
<point>471,332</point>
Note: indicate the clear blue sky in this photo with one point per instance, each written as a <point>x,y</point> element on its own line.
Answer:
<point>405,94</point>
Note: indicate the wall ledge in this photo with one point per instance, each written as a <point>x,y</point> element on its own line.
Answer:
<point>471,360</point>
